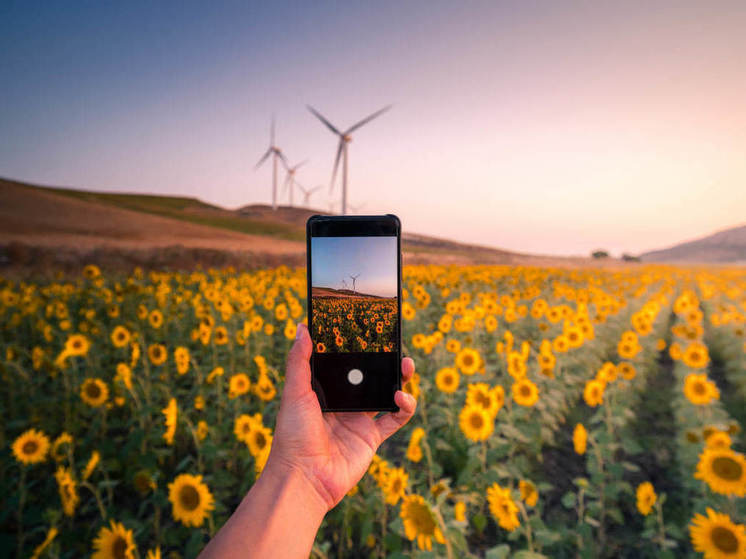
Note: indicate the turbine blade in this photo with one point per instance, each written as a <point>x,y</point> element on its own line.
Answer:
<point>336,162</point>
<point>264,157</point>
<point>367,119</point>
<point>322,119</point>
<point>282,157</point>
<point>299,165</point>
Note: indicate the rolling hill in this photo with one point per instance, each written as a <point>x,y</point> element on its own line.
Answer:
<point>724,247</point>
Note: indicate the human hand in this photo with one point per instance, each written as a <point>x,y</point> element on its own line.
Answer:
<point>331,450</point>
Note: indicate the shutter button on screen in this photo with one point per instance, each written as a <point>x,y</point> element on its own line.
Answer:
<point>355,376</point>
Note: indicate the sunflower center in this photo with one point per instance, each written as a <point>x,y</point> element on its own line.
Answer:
<point>468,360</point>
<point>423,520</point>
<point>482,399</point>
<point>189,498</point>
<point>260,439</point>
<point>119,548</point>
<point>699,388</point>
<point>476,421</point>
<point>724,539</point>
<point>93,390</point>
<point>525,391</point>
<point>30,447</point>
<point>727,468</point>
<point>396,486</point>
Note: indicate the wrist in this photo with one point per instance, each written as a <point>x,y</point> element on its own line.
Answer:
<point>290,479</point>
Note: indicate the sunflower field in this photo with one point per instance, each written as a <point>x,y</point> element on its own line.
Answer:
<point>561,413</point>
<point>354,324</point>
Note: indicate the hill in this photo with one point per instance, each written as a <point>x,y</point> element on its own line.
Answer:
<point>47,225</point>
<point>724,247</point>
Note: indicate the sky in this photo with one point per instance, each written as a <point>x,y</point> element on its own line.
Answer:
<point>541,127</point>
<point>373,260</point>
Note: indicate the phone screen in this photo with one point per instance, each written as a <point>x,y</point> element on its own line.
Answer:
<point>354,308</point>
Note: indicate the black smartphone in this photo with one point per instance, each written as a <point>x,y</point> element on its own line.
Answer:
<point>354,310</point>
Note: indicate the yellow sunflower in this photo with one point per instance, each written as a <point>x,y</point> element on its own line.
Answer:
<point>91,465</point>
<point>157,354</point>
<point>723,470</point>
<point>396,485</point>
<point>646,498</point>
<point>627,370</point>
<point>491,399</point>
<point>695,355</point>
<point>259,440</point>
<point>120,336</point>
<point>155,318</point>
<point>699,390</point>
<point>114,543</point>
<point>191,499</point>
<point>94,392</point>
<point>525,392</point>
<point>171,411</point>
<point>717,536</point>
<point>77,344</point>
<point>264,388</point>
<point>447,380</point>
<point>476,423</point>
<point>593,394</point>
<point>62,446</point>
<point>124,374</point>
<point>580,439</point>
<point>238,385</point>
<point>419,522</point>
<point>68,489</point>
<point>502,507</point>
<point>414,452</point>
<point>468,360</point>
<point>181,358</point>
<point>529,494</point>
<point>31,447</point>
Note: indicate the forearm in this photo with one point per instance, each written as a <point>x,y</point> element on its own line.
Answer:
<point>278,518</point>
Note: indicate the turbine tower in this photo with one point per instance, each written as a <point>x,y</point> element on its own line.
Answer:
<point>290,181</point>
<point>354,278</point>
<point>276,153</point>
<point>307,193</point>
<point>344,140</point>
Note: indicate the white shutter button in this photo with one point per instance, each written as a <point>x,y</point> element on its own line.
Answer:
<point>355,376</point>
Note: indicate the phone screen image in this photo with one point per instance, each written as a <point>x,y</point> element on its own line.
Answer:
<point>354,292</point>
<point>354,279</point>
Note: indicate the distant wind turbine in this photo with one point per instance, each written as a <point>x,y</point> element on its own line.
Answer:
<point>290,181</point>
<point>307,192</point>
<point>276,153</point>
<point>354,278</point>
<point>344,140</point>
<point>344,284</point>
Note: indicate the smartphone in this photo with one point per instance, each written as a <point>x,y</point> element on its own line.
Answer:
<point>354,310</point>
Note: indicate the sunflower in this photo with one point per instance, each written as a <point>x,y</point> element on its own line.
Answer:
<point>31,447</point>
<point>154,553</point>
<point>124,374</point>
<point>447,379</point>
<point>264,388</point>
<point>468,360</point>
<point>491,399</point>
<point>419,522</point>
<point>516,365</point>
<point>459,512</point>
<point>695,355</point>
<point>502,507</point>
<point>157,354</point>
<point>646,498</point>
<point>529,494</point>
<point>414,452</point>
<point>68,489</point>
<point>396,485</point>
<point>320,347</point>
<point>593,394</point>
<point>77,344</point>
<point>579,438</point>
<point>94,392</point>
<point>216,372</point>
<point>220,336</point>
<point>718,439</point>
<point>155,318</point>
<point>191,499</point>
<point>560,344</point>
<point>699,390</point>
<point>91,271</point>
<point>258,439</point>
<point>723,470</point>
<point>114,543</point>
<point>171,411</point>
<point>61,446</point>
<point>717,536</point>
<point>525,392</point>
<point>120,336</point>
<point>202,430</point>
<point>238,385</point>
<point>627,370</point>
<point>181,358</point>
<point>574,335</point>
<point>91,465</point>
<point>476,423</point>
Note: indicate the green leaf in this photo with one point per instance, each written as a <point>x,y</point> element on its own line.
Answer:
<point>498,552</point>
<point>524,554</point>
<point>568,500</point>
<point>479,521</point>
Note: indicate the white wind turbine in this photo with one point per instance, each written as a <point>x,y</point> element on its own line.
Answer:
<point>307,192</point>
<point>354,279</point>
<point>276,153</point>
<point>344,140</point>
<point>290,181</point>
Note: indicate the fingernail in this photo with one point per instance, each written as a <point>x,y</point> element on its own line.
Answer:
<point>298,330</point>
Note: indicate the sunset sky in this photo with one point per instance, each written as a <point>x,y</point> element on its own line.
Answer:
<point>540,127</point>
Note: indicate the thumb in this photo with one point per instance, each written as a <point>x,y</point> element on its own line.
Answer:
<point>298,372</point>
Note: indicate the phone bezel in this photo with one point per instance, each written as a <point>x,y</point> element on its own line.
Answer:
<point>352,221</point>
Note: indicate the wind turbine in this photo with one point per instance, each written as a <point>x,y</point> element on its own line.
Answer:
<point>344,284</point>
<point>290,181</point>
<point>276,153</point>
<point>307,193</point>
<point>353,280</point>
<point>344,140</point>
